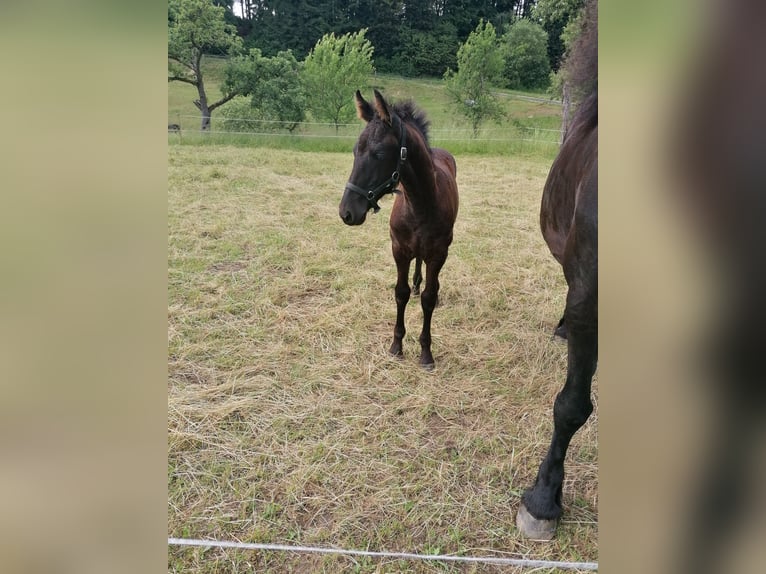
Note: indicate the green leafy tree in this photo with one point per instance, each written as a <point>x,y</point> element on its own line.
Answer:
<point>240,116</point>
<point>196,28</point>
<point>383,20</point>
<point>333,71</point>
<point>480,67</point>
<point>578,75</point>
<point>569,36</point>
<point>273,84</point>
<point>526,56</point>
<point>427,53</point>
<point>553,16</point>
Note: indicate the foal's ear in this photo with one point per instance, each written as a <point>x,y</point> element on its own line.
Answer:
<point>363,108</point>
<point>382,108</point>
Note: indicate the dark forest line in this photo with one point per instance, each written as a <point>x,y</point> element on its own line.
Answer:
<point>411,38</point>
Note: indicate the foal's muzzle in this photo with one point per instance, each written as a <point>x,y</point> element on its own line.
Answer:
<point>347,217</point>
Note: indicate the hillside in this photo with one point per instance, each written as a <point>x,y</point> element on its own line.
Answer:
<point>531,125</point>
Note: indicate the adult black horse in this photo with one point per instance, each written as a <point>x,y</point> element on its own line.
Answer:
<point>569,223</point>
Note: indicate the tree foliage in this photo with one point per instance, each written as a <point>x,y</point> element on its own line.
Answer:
<point>526,56</point>
<point>273,84</point>
<point>333,71</point>
<point>553,16</point>
<point>426,54</point>
<point>569,35</point>
<point>240,116</point>
<point>578,75</point>
<point>479,69</point>
<point>581,64</point>
<point>409,36</point>
<point>197,28</point>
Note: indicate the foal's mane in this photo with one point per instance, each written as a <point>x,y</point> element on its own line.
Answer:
<point>409,112</point>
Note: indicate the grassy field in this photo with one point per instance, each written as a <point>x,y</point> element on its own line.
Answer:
<point>288,421</point>
<point>530,127</point>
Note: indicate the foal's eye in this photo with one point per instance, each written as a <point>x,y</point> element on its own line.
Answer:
<point>380,154</point>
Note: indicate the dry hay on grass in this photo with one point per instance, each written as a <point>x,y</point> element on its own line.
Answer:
<point>288,421</point>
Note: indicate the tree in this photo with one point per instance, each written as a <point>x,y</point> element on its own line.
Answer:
<point>383,20</point>
<point>553,16</point>
<point>526,56</point>
<point>479,69</point>
<point>273,84</point>
<point>578,75</point>
<point>426,53</point>
<point>196,28</point>
<point>559,86</point>
<point>333,71</point>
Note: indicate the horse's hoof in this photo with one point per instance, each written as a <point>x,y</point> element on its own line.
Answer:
<point>534,528</point>
<point>428,366</point>
<point>561,330</point>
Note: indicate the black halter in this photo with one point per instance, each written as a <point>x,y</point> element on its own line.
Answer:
<point>390,185</point>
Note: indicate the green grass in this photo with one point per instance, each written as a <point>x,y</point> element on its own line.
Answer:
<point>288,421</point>
<point>528,129</point>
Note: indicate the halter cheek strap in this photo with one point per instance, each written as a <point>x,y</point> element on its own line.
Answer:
<point>391,184</point>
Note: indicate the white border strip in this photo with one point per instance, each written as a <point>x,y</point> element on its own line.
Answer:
<point>401,555</point>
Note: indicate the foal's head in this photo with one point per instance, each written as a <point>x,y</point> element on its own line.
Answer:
<point>378,156</point>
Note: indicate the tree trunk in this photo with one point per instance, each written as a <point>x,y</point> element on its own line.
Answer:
<point>565,102</point>
<point>202,105</point>
<point>205,126</point>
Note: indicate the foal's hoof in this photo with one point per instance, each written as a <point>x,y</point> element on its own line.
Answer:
<point>426,360</point>
<point>534,528</point>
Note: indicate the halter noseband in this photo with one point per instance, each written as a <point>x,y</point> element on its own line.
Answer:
<point>390,185</point>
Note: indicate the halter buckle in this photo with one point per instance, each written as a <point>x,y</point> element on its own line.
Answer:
<point>403,153</point>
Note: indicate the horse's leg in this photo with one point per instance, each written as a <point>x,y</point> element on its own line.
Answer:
<point>417,277</point>
<point>540,506</point>
<point>561,329</point>
<point>428,300</point>
<point>402,294</point>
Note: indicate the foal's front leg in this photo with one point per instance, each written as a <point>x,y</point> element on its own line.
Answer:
<point>402,293</point>
<point>428,300</point>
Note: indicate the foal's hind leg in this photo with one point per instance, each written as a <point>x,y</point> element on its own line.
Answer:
<point>417,277</point>
<point>402,293</point>
<point>428,300</point>
<point>541,505</point>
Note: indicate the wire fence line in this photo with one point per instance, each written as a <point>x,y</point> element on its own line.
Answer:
<point>527,134</point>
<point>286,124</point>
<point>353,137</point>
<point>518,562</point>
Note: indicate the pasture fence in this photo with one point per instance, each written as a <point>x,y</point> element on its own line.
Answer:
<point>497,560</point>
<point>350,131</point>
